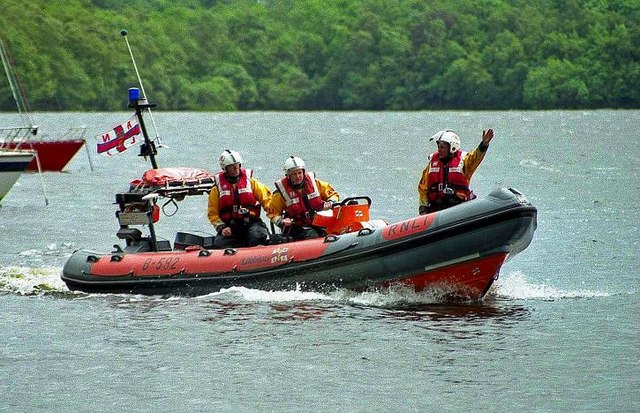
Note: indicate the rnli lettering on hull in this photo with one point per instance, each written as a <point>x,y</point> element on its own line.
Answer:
<point>408,227</point>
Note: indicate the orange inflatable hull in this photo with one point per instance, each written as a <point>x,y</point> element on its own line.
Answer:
<point>459,250</point>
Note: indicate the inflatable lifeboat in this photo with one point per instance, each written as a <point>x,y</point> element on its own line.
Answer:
<point>460,249</point>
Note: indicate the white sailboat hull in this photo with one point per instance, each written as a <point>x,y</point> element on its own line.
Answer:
<point>12,165</point>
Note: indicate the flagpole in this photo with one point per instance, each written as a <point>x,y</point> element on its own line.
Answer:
<point>148,148</point>
<point>123,32</point>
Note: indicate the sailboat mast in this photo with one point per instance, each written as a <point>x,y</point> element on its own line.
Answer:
<point>18,97</point>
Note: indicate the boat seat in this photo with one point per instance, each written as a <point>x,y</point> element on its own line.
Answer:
<point>198,238</point>
<point>144,245</point>
<point>131,234</point>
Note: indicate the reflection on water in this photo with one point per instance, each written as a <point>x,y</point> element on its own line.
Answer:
<point>229,310</point>
<point>298,312</point>
<point>500,312</point>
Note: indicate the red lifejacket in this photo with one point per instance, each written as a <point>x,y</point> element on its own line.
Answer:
<point>299,203</point>
<point>451,175</point>
<point>232,198</point>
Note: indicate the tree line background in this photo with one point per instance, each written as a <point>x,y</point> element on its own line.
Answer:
<point>325,54</point>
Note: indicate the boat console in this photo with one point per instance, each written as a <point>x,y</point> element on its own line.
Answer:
<point>139,207</point>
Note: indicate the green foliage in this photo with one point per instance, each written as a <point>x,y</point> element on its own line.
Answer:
<point>557,84</point>
<point>325,54</point>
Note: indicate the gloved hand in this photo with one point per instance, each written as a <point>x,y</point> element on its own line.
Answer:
<point>283,222</point>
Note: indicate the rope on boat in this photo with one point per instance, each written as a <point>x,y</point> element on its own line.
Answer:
<point>44,190</point>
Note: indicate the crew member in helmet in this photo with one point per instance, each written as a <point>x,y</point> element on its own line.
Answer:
<point>298,195</point>
<point>234,205</point>
<point>445,180</point>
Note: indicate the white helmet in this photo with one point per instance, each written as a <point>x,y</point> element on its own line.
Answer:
<point>229,158</point>
<point>292,163</point>
<point>448,136</point>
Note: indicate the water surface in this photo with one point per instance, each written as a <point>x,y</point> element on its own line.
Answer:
<point>558,332</point>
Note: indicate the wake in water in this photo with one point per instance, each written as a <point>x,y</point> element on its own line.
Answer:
<point>38,281</point>
<point>32,281</point>
<point>516,286</point>
<point>389,297</point>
